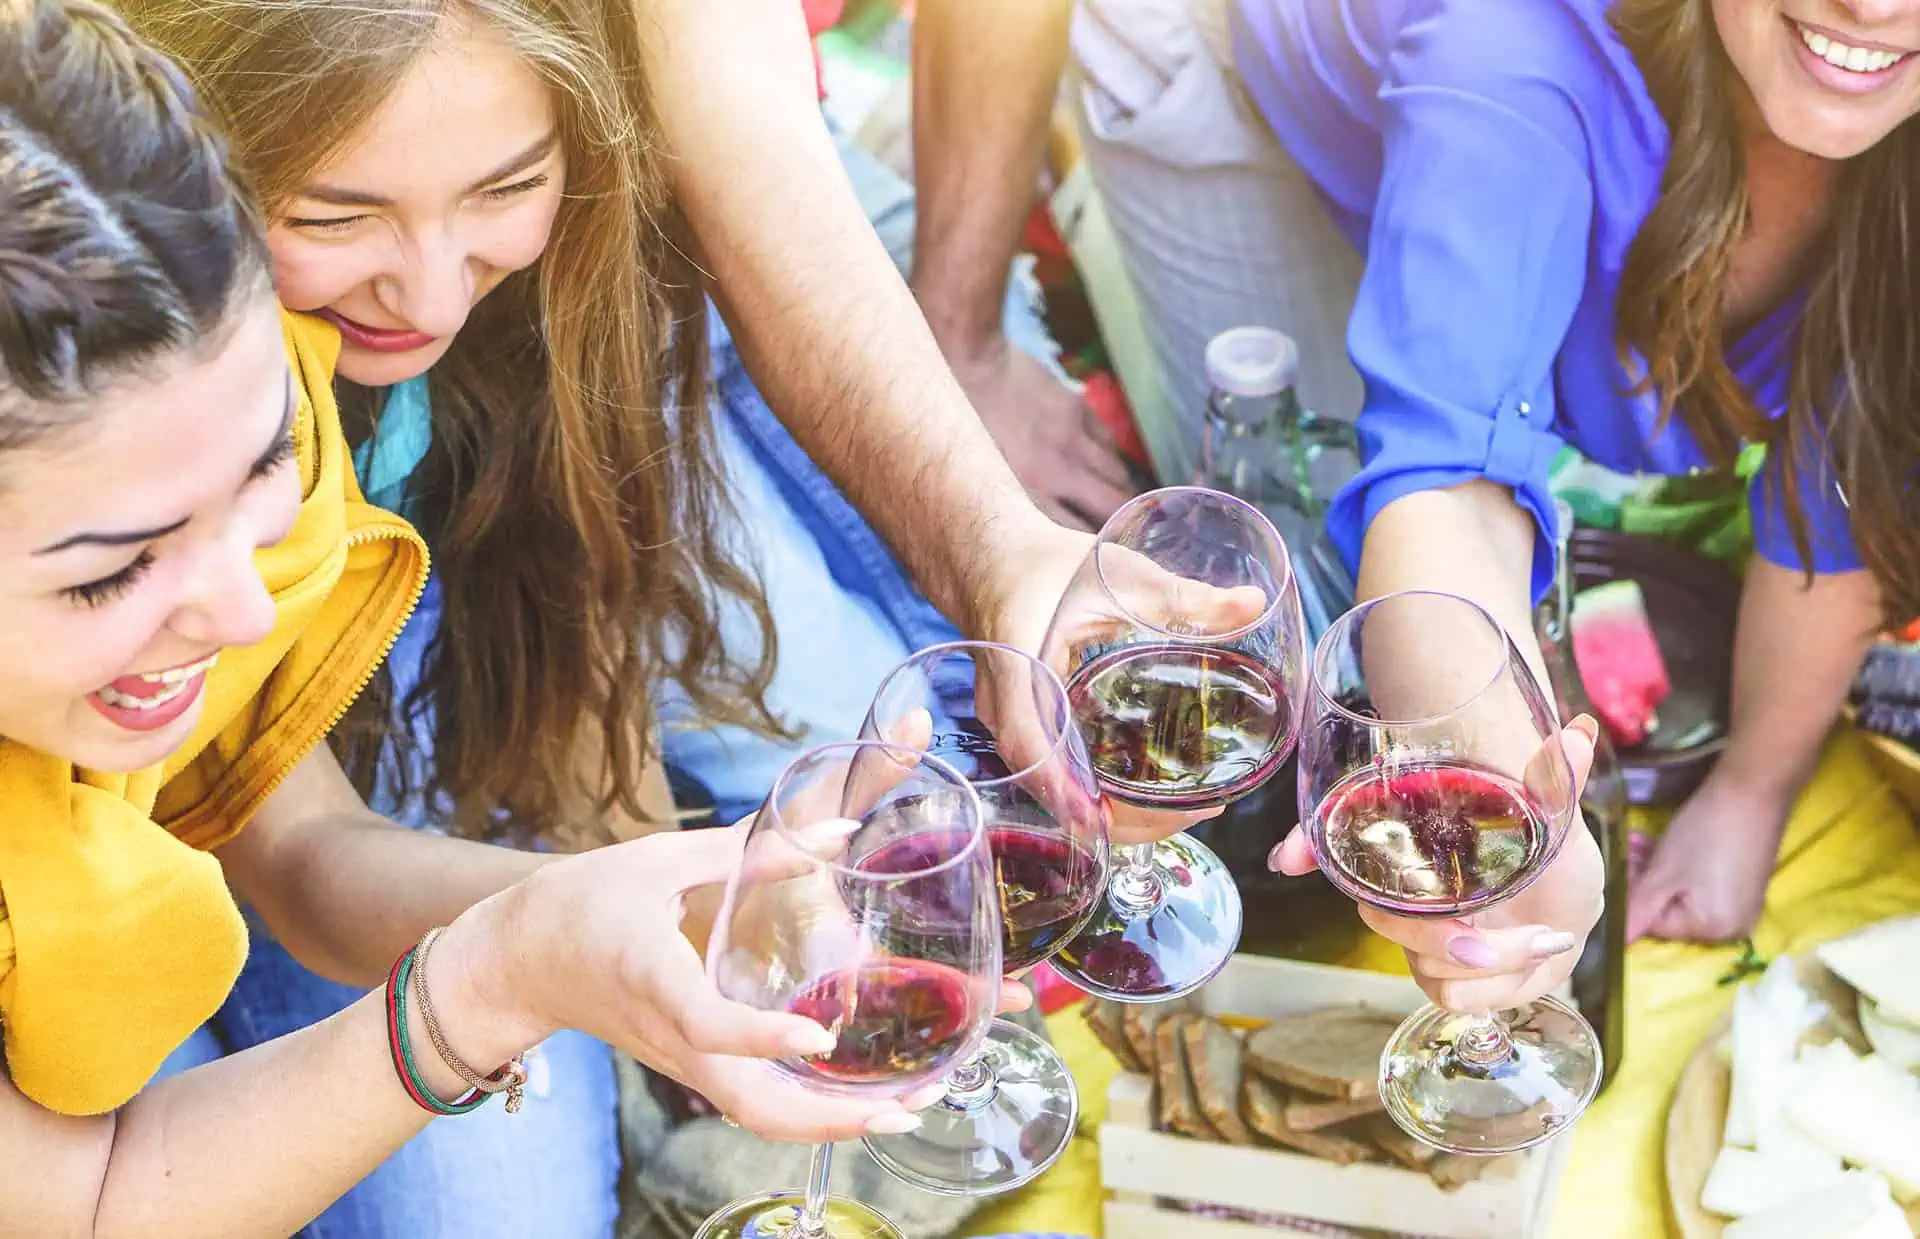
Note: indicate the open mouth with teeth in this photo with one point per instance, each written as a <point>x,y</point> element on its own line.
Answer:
<point>1862,60</point>
<point>150,692</point>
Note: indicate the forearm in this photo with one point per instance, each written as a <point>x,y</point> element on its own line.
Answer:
<point>370,889</point>
<point>826,325</point>
<point>1796,650</point>
<point>345,890</point>
<point>250,1147</point>
<point>985,75</point>
<point>1471,541</point>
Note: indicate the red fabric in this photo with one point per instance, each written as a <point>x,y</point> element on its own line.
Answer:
<point>822,15</point>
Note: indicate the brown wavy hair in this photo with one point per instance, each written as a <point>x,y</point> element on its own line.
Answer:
<point>572,494</point>
<point>126,239</point>
<point>1855,387</point>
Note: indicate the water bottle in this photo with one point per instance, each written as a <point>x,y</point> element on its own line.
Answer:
<point>1261,444</point>
<point>1599,979</point>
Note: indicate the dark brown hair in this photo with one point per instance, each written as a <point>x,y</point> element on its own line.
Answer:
<point>124,236</point>
<point>571,496</point>
<point>1855,388</point>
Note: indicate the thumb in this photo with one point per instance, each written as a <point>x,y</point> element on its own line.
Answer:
<point>1580,738</point>
<point>1648,906</point>
<point>1294,855</point>
<point>1210,609</point>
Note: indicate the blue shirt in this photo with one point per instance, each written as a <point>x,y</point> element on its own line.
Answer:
<point>1494,160</point>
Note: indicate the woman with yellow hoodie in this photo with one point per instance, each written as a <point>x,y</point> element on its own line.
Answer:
<point>192,591</point>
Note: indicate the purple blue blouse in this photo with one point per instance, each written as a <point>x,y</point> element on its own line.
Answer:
<point>1494,159</point>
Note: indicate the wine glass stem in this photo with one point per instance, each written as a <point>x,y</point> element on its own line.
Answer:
<point>1484,1044</point>
<point>813,1215</point>
<point>972,1085</point>
<point>1136,888</point>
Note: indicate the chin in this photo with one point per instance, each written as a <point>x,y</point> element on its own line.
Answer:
<point>110,749</point>
<point>372,369</point>
<point>1816,127</point>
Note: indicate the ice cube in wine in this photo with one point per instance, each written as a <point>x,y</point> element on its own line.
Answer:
<point>1181,726</point>
<point>1431,838</point>
<point>896,1020</point>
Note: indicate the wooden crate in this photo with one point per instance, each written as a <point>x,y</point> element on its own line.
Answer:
<point>1140,1166</point>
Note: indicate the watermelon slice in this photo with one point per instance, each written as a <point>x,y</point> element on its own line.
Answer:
<point>1619,659</point>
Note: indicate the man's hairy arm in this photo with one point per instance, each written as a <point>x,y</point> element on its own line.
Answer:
<point>824,322</point>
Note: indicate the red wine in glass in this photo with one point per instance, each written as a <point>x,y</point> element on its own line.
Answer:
<point>1172,726</point>
<point>893,1018</point>
<point>1045,892</point>
<point>1432,838</point>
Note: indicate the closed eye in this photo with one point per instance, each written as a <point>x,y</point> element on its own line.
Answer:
<point>502,192</point>
<point>98,593</point>
<point>279,454</point>
<point>340,224</point>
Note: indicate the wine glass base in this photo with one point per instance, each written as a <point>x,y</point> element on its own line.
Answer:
<point>1006,1136</point>
<point>1441,1096</point>
<point>1168,950</point>
<point>777,1216</point>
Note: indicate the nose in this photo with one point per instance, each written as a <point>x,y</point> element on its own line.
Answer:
<point>433,290</point>
<point>228,604</point>
<point>1873,13</point>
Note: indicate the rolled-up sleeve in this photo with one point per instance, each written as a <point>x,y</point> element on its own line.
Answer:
<point>1477,256</point>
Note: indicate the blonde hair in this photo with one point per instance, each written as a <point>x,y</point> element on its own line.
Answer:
<point>572,494</point>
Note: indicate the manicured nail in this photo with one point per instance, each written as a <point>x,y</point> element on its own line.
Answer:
<point>1471,952</point>
<point>808,1042</point>
<point>892,1124</point>
<point>1548,945</point>
<point>1273,857</point>
<point>1587,726</point>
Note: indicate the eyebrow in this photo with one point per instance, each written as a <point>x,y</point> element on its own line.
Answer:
<point>334,195</point>
<point>133,537</point>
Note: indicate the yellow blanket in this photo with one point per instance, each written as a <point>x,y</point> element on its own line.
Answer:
<point>1851,857</point>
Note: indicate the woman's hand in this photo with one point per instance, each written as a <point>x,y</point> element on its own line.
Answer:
<point>1516,950</point>
<point>1707,878</point>
<point>594,942</point>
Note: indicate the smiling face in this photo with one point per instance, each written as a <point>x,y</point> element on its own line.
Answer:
<point>1830,77</point>
<point>449,188</point>
<point>126,548</point>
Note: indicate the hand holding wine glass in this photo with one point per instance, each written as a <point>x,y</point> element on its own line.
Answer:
<point>865,902</point>
<point>1182,643</point>
<point>1437,784</point>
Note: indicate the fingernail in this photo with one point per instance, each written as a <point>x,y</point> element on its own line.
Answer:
<point>1273,857</point>
<point>1548,945</point>
<point>1587,726</point>
<point>807,1042</point>
<point>892,1124</point>
<point>1471,952</point>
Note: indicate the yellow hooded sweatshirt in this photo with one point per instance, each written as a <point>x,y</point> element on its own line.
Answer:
<point>118,936</point>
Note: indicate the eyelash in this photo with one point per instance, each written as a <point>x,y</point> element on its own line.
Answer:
<point>95,594</point>
<point>500,194</point>
<point>98,593</point>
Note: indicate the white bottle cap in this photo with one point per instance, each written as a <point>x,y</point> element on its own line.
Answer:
<point>1252,361</point>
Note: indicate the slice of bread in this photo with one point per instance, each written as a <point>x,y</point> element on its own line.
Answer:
<point>1331,1053</point>
<point>1213,1060</point>
<point>1179,1106</point>
<point>1313,1113</point>
<point>1139,1020</point>
<point>1104,1019</point>
<point>1453,1171</point>
<point>1390,1138</point>
<point>1263,1105</point>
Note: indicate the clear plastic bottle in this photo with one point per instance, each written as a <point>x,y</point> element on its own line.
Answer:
<point>1261,444</point>
<point>1599,979</point>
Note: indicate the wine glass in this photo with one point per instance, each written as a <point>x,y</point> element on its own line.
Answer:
<point>1434,783</point>
<point>1183,648</point>
<point>864,900</point>
<point>1002,719</point>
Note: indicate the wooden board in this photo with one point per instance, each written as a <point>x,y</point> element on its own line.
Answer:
<point>1697,1117</point>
